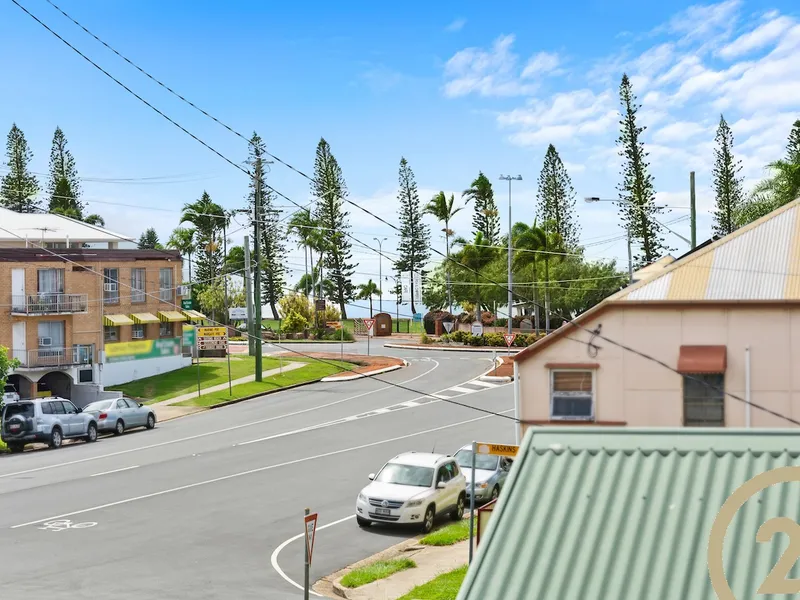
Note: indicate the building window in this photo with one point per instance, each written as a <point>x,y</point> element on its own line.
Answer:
<point>138,285</point>
<point>572,395</point>
<point>51,335</point>
<point>704,400</point>
<point>111,334</point>
<point>137,332</point>
<point>165,285</point>
<point>50,281</point>
<point>111,286</point>
<point>165,330</point>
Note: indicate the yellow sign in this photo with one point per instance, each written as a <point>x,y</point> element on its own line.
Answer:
<point>498,449</point>
<point>211,331</point>
<point>777,581</point>
<point>334,324</point>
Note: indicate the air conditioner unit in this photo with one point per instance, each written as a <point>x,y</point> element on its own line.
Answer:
<point>45,341</point>
<point>184,290</point>
<point>137,335</point>
<point>109,287</point>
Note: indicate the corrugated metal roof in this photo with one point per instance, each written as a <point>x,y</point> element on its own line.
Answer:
<point>50,227</point>
<point>625,514</point>
<point>758,262</point>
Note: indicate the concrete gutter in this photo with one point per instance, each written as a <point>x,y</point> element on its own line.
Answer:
<point>354,376</point>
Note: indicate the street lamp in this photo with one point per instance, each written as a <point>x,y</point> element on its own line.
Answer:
<point>509,178</point>
<point>380,273</point>
<point>592,199</point>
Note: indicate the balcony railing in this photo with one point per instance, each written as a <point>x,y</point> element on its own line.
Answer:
<point>48,304</point>
<point>48,358</point>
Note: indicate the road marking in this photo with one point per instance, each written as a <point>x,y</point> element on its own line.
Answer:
<point>252,471</point>
<point>461,390</point>
<point>480,383</point>
<point>115,471</point>
<point>202,435</point>
<point>277,551</point>
<point>409,403</point>
<point>63,524</point>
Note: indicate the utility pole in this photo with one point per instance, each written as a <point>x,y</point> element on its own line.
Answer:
<point>248,291</point>
<point>380,273</point>
<point>257,270</point>
<point>225,320</point>
<point>693,209</point>
<point>509,178</point>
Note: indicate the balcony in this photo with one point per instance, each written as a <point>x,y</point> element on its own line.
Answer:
<point>49,304</point>
<point>54,358</point>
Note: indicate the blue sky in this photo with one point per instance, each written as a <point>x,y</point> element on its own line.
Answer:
<point>455,87</point>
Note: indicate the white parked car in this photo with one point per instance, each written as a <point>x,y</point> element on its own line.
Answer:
<point>413,488</point>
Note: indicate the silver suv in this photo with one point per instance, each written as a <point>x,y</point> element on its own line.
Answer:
<point>45,420</point>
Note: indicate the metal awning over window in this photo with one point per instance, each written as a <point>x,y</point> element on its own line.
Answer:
<point>702,359</point>
<point>171,316</point>
<point>116,320</point>
<point>144,318</point>
<point>194,316</point>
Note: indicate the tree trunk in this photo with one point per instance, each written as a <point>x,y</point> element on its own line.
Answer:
<point>274,311</point>
<point>305,259</point>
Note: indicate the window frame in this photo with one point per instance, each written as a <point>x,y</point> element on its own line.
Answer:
<point>166,294</point>
<point>171,326</point>
<point>110,297</point>
<point>138,327</point>
<point>106,329</point>
<point>721,399</point>
<point>593,416</point>
<point>138,295</point>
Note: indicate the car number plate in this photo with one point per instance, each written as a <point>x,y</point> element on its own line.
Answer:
<point>14,427</point>
<point>383,511</point>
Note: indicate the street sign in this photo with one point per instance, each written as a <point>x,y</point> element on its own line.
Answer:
<point>477,328</point>
<point>212,338</point>
<point>498,449</point>
<point>187,304</point>
<point>334,324</point>
<point>320,305</point>
<point>368,323</point>
<point>311,529</point>
<point>509,338</point>
<point>417,317</point>
<point>448,326</point>
<point>237,314</point>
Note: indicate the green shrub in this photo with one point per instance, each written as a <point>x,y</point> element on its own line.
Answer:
<point>458,336</point>
<point>333,335</point>
<point>299,304</point>
<point>424,339</point>
<point>294,322</point>
<point>494,339</point>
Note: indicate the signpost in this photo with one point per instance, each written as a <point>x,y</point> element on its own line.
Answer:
<point>215,339</point>
<point>338,325</point>
<point>237,314</point>
<point>369,323</point>
<point>187,304</point>
<point>310,522</point>
<point>484,448</point>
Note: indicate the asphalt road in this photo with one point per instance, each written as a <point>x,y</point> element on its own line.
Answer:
<point>205,506</point>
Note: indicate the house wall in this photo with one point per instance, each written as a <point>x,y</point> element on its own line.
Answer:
<point>634,391</point>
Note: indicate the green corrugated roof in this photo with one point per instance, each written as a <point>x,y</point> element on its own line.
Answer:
<point>625,514</point>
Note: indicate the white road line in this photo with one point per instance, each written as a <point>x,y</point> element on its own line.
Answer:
<point>115,471</point>
<point>274,557</point>
<point>409,403</point>
<point>202,435</point>
<point>252,471</point>
<point>461,390</point>
<point>480,383</point>
<point>380,411</point>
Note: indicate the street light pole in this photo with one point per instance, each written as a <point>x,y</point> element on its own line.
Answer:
<point>380,272</point>
<point>509,178</point>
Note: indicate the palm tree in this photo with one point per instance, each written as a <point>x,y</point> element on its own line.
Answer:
<point>366,291</point>
<point>474,256</point>
<point>182,239</point>
<point>528,242</point>
<point>441,208</point>
<point>782,187</point>
<point>95,219</point>
<point>209,220</point>
<point>311,280</point>
<point>302,225</point>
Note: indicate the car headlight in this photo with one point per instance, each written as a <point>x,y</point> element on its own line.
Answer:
<point>362,497</point>
<point>482,485</point>
<point>414,503</point>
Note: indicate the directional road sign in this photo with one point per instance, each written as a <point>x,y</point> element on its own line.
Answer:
<point>448,326</point>
<point>498,449</point>
<point>509,338</point>
<point>368,323</point>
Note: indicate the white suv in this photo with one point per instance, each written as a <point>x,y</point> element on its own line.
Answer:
<point>413,487</point>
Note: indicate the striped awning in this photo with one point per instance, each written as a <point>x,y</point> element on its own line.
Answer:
<point>193,315</point>
<point>144,318</point>
<point>116,320</point>
<point>171,316</point>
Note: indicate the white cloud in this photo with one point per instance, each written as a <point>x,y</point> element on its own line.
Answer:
<point>756,39</point>
<point>705,22</point>
<point>679,131</point>
<point>572,167</point>
<point>540,64</point>
<point>456,25</point>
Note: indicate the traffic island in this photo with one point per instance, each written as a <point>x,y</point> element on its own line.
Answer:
<point>361,365</point>
<point>502,372</point>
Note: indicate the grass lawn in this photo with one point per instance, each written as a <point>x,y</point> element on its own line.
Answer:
<point>184,381</point>
<point>377,570</point>
<point>311,372</point>
<point>448,535</point>
<point>444,587</point>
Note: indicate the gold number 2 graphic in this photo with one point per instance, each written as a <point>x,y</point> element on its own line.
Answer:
<point>776,582</point>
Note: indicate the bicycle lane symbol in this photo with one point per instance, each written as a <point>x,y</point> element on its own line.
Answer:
<point>63,524</point>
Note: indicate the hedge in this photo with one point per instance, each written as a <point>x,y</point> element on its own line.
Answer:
<point>489,339</point>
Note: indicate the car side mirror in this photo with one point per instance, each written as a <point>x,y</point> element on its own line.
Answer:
<point>371,476</point>
<point>141,405</point>
<point>441,485</point>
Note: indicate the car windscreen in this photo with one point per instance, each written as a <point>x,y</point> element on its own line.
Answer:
<point>101,405</point>
<point>9,389</point>
<point>406,475</point>
<point>482,461</point>
<point>24,409</point>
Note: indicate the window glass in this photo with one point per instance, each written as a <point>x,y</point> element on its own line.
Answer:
<point>165,330</point>
<point>452,470</point>
<point>138,285</point>
<point>165,284</point>
<point>121,404</point>
<point>704,400</point>
<point>405,475</point>
<point>137,331</point>
<point>50,281</point>
<point>47,408</point>
<point>572,395</point>
<point>442,475</point>
<point>69,408</point>
<point>111,286</point>
<point>100,405</point>
<point>24,409</point>
<point>132,403</point>
<point>58,408</point>
<point>482,461</point>
<point>111,334</point>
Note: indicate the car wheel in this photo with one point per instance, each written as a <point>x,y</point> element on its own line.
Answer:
<point>119,428</point>
<point>16,448</point>
<point>363,523</point>
<point>56,438</point>
<point>427,523</point>
<point>458,511</point>
<point>151,421</point>
<point>91,433</point>
<point>495,493</point>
